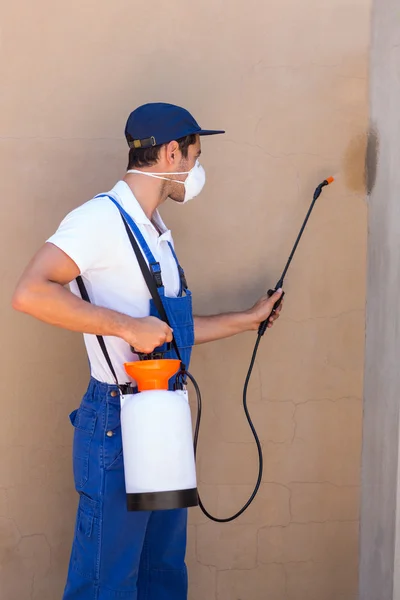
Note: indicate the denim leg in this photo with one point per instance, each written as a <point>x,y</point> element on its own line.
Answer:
<point>163,573</point>
<point>108,539</point>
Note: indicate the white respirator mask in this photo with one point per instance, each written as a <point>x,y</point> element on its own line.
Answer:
<point>193,183</point>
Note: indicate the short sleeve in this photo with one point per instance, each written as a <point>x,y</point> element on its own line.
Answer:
<point>86,236</point>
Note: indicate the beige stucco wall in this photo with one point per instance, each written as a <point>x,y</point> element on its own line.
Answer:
<point>288,81</point>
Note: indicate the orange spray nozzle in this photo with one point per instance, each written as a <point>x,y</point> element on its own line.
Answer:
<point>330,180</point>
<point>152,374</point>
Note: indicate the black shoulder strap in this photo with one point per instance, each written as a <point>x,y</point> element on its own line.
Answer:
<point>100,339</point>
<point>150,282</point>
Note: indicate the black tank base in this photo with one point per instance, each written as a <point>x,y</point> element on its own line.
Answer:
<point>162,500</point>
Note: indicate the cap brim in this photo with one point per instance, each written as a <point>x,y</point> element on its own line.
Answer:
<point>209,132</point>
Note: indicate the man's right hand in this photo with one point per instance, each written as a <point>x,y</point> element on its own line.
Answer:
<point>41,293</point>
<point>148,333</point>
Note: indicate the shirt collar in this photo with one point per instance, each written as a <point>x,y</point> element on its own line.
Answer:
<point>125,196</point>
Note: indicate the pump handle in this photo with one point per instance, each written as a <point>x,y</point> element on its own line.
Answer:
<point>157,353</point>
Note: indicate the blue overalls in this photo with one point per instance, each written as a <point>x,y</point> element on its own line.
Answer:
<point>118,554</point>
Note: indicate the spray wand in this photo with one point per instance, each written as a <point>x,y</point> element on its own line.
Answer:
<point>261,331</point>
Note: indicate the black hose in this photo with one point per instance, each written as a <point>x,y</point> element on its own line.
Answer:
<point>262,329</point>
<point>253,430</point>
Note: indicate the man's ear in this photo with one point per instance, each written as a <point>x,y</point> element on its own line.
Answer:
<point>172,152</point>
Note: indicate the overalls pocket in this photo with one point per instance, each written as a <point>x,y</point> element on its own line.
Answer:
<point>180,316</point>
<point>84,421</point>
<point>87,541</point>
<point>113,436</point>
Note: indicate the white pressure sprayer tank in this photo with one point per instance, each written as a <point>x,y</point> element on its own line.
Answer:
<point>157,440</point>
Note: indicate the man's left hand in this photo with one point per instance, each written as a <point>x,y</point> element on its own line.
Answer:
<point>264,309</point>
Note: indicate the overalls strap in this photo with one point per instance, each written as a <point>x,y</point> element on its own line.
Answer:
<point>153,264</point>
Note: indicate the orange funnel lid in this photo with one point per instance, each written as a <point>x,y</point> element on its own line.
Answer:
<point>152,374</point>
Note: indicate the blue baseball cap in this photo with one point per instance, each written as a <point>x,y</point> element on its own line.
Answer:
<point>160,123</point>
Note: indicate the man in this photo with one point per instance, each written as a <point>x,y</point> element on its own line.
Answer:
<point>116,553</point>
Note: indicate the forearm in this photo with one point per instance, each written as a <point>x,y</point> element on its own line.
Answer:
<point>56,305</point>
<point>41,294</point>
<point>217,327</point>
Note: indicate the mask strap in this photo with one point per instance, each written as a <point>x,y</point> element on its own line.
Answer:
<point>148,172</point>
<point>157,175</point>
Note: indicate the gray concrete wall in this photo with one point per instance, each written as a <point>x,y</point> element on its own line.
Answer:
<point>379,568</point>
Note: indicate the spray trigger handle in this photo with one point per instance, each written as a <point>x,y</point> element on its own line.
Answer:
<point>263,326</point>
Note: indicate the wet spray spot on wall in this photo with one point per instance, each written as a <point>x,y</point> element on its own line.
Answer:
<point>371,159</point>
<point>354,163</point>
<point>361,160</point>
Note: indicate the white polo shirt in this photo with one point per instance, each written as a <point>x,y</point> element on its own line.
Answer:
<point>94,237</point>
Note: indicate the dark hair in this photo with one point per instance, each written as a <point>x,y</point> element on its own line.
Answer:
<point>146,157</point>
